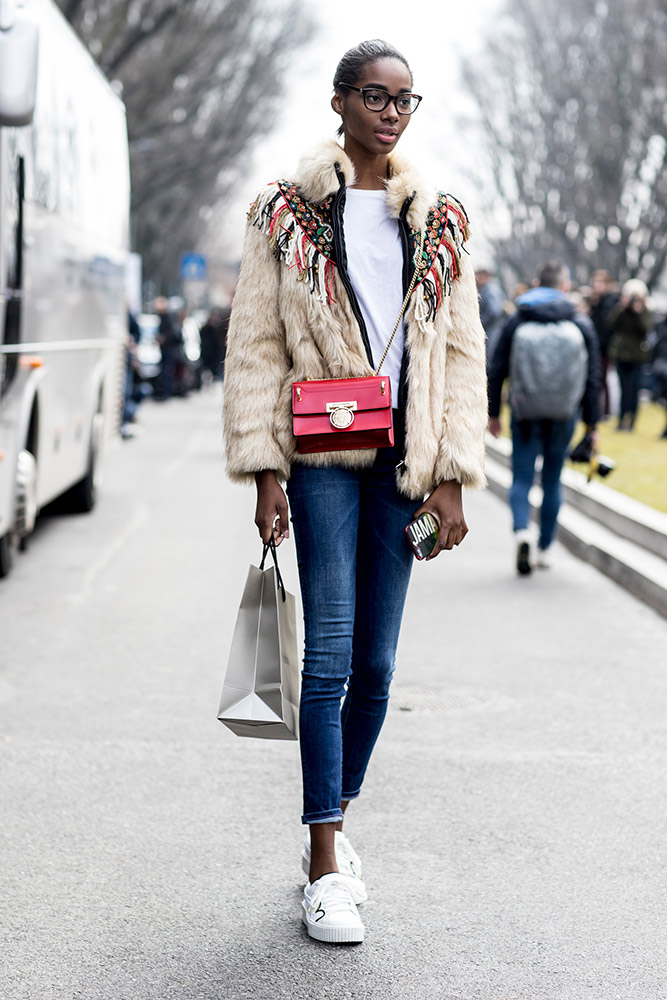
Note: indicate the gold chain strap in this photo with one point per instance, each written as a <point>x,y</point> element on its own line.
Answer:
<point>420,250</point>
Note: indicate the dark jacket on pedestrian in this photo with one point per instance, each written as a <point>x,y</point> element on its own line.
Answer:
<point>601,318</point>
<point>659,369</point>
<point>169,337</point>
<point>538,306</point>
<point>630,330</point>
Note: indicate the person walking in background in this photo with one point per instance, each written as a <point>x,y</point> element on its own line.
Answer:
<point>327,262</point>
<point>603,298</point>
<point>491,311</point>
<point>631,323</point>
<point>211,337</point>
<point>169,338</point>
<point>131,396</point>
<point>182,375</point>
<point>659,368</point>
<point>550,353</point>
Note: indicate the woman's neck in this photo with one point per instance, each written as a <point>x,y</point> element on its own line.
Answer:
<point>371,169</point>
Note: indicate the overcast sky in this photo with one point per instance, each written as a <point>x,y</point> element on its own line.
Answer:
<point>433,35</point>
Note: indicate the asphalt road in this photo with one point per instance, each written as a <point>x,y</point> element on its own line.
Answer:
<point>512,825</point>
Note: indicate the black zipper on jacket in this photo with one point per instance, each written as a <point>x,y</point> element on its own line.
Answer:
<point>408,268</point>
<point>337,209</point>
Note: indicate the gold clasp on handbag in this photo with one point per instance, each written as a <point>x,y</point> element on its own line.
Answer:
<point>341,415</point>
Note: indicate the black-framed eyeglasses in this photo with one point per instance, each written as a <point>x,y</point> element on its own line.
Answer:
<point>378,100</point>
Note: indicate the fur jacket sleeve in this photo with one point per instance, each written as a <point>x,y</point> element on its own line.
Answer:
<point>256,364</point>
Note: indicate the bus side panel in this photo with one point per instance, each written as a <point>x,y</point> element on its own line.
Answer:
<point>76,215</point>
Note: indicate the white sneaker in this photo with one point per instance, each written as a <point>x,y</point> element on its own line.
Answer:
<point>329,912</point>
<point>349,865</point>
<point>523,557</point>
<point>544,558</point>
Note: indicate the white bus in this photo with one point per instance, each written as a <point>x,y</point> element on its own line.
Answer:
<point>64,231</point>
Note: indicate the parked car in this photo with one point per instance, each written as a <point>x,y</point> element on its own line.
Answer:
<point>148,350</point>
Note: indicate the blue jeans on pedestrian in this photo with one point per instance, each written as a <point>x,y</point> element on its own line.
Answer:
<point>354,568</point>
<point>130,404</point>
<point>530,438</point>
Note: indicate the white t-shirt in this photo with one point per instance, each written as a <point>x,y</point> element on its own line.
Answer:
<point>375,267</point>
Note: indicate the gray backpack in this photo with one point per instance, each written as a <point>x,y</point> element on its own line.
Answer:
<point>548,366</point>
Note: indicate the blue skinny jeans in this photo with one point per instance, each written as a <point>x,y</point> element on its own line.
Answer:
<point>530,438</point>
<point>354,569</point>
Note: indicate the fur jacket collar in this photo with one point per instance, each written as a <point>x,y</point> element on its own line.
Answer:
<point>317,179</point>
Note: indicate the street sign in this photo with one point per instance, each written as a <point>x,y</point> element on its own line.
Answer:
<point>193,267</point>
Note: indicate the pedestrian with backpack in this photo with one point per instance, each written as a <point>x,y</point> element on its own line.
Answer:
<point>550,353</point>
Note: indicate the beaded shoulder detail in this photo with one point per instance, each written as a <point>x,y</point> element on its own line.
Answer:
<point>446,231</point>
<point>301,234</point>
<point>313,218</point>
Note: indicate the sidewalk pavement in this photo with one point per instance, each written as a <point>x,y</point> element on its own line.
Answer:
<point>512,825</point>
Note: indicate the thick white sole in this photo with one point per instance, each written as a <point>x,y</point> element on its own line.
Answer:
<point>332,935</point>
<point>355,885</point>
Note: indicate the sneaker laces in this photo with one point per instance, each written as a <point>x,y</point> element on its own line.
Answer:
<point>338,898</point>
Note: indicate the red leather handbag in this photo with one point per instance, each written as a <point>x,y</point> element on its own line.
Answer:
<point>340,414</point>
<point>346,414</point>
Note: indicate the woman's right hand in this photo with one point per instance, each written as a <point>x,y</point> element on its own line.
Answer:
<point>271,514</point>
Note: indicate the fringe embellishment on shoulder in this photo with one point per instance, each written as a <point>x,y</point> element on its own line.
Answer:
<point>446,232</point>
<point>300,234</point>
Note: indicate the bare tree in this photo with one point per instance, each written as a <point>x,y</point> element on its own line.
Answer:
<point>199,80</point>
<point>572,103</point>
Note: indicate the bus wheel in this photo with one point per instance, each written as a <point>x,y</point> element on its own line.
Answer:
<point>81,497</point>
<point>26,496</point>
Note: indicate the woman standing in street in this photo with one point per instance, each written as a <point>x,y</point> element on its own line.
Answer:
<point>631,323</point>
<point>327,262</point>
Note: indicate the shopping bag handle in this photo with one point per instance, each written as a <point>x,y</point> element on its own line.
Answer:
<point>271,545</point>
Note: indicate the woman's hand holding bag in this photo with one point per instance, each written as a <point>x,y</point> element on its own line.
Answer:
<point>272,511</point>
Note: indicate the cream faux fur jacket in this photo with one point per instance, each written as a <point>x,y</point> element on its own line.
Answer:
<point>292,319</point>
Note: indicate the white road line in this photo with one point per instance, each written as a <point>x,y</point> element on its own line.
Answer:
<point>109,552</point>
<point>140,518</point>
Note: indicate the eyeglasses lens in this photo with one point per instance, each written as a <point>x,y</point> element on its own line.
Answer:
<point>377,100</point>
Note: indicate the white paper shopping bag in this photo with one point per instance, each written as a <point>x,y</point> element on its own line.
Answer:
<point>260,694</point>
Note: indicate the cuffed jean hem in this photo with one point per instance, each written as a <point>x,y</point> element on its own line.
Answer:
<point>312,819</point>
<point>351,797</point>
